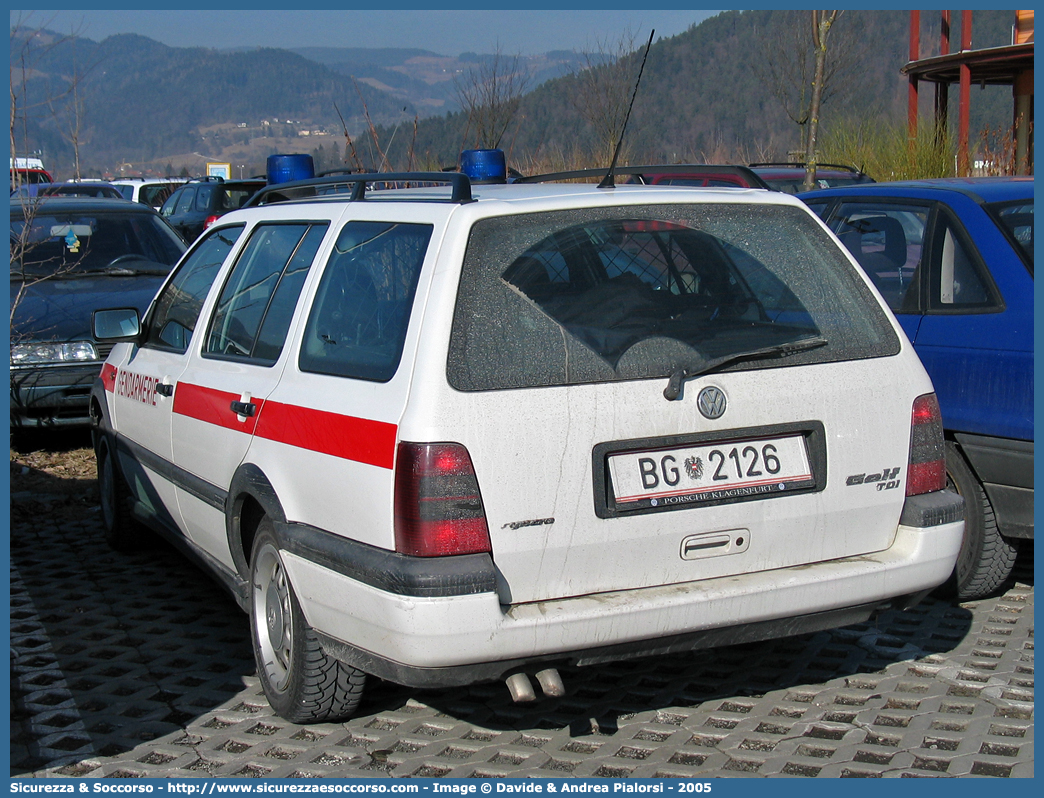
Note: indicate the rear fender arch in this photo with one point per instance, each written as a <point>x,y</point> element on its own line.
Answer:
<point>250,496</point>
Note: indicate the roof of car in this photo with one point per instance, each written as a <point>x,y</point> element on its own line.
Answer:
<point>73,204</point>
<point>69,187</point>
<point>252,181</point>
<point>119,181</point>
<point>629,191</point>
<point>986,189</point>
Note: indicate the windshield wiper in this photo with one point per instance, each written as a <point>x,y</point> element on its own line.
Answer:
<point>674,384</point>
<point>122,271</point>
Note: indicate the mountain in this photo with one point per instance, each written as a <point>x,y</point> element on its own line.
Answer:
<point>705,95</point>
<point>426,80</point>
<point>136,100</point>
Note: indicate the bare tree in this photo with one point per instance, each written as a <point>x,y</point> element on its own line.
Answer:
<point>787,70</point>
<point>803,73</point>
<point>822,22</point>
<point>349,145</point>
<point>602,90</point>
<point>383,164</point>
<point>74,111</point>
<point>28,46</point>
<point>490,94</point>
<point>62,101</point>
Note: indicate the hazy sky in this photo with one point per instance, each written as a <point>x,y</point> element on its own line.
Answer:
<point>527,32</point>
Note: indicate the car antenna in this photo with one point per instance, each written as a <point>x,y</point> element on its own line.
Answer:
<point>607,181</point>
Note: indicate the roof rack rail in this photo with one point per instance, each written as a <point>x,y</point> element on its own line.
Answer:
<point>843,167</point>
<point>301,189</point>
<point>744,173</point>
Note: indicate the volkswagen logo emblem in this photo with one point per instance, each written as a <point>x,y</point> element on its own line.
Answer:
<point>711,402</point>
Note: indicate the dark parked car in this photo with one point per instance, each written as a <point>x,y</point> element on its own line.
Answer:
<point>69,257</point>
<point>198,204</point>
<point>954,260</point>
<point>86,188</point>
<point>790,177</point>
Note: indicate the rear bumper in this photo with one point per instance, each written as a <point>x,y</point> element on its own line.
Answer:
<point>449,640</point>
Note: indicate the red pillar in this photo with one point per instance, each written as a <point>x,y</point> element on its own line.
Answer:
<point>963,167</point>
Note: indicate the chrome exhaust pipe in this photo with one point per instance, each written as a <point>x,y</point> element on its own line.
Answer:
<point>520,687</point>
<point>551,683</point>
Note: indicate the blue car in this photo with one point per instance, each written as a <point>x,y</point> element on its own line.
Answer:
<point>69,257</point>
<point>954,260</point>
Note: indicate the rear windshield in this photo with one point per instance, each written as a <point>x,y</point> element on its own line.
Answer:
<point>607,294</point>
<point>232,198</point>
<point>796,183</point>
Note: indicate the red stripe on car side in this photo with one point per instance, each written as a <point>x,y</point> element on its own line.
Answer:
<point>360,439</point>
<point>212,406</point>
<point>108,376</point>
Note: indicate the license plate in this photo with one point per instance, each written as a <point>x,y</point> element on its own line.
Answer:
<point>753,467</point>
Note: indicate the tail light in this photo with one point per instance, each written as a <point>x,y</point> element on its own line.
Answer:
<point>438,508</point>
<point>210,220</point>
<point>927,471</point>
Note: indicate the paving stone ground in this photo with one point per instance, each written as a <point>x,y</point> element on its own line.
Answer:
<point>138,665</point>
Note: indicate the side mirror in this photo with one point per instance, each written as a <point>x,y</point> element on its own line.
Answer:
<point>114,326</point>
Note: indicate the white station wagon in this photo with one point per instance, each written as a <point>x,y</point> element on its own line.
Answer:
<point>460,432</point>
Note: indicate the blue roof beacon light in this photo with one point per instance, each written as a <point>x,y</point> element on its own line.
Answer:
<point>484,166</point>
<point>284,168</point>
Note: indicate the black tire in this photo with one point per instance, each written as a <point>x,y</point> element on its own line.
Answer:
<point>303,684</point>
<point>986,559</point>
<point>122,532</point>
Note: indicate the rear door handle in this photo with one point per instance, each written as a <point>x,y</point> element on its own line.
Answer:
<point>244,408</point>
<point>164,389</point>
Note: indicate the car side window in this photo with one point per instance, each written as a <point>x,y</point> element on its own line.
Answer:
<point>958,280</point>
<point>1017,219</point>
<point>203,195</point>
<point>256,305</point>
<point>177,307</point>
<point>357,326</point>
<point>154,195</point>
<point>185,201</point>
<point>887,241</point>
<point>818,208</point>
<point>172,202</point>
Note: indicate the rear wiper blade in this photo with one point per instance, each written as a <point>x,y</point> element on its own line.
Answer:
<point>678,377</point>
